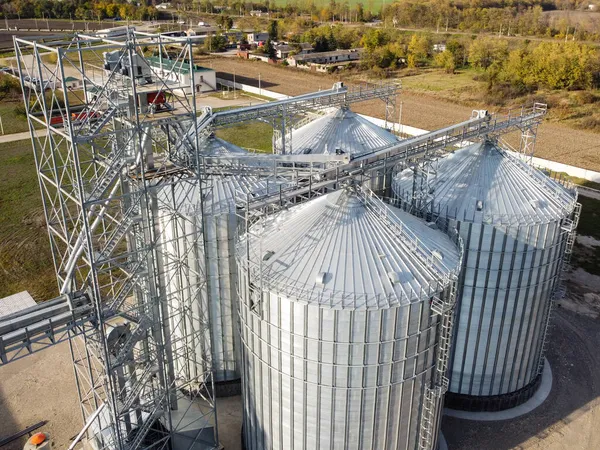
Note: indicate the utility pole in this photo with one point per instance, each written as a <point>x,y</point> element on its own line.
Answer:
<point>401,130</point>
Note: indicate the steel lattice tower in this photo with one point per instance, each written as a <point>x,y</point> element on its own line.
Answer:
<point>104,156</point>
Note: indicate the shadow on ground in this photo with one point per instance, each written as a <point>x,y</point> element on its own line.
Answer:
<point>570,416</point>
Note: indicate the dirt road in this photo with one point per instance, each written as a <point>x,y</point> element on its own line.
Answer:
<point>555,142</point>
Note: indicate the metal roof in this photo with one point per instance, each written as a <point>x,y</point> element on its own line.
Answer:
<point>345,250</point>
<point>343,130</point>
<point>485,183</point>
<point>221,194</point>
<point>15,303</point>
<point>219,147</point>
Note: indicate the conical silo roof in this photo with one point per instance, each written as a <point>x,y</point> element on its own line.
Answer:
<point>345,250</point>
<point>221,193</point>
<point>340,131</point>
<point>217,147</point>
<point>485,183</point>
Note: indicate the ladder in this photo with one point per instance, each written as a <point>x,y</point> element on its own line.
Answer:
<point>431,400</point>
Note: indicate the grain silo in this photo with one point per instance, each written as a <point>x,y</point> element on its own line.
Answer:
<point>186,266</point>
<point>515,223</point>
<point>339,341</point>
<point>342,131</point>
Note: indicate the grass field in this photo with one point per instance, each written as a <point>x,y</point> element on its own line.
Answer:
<point>25,259</point>
<point>254,135</point>
<point>588,257</point>
<point>12,122</point>
<point>434,80</point>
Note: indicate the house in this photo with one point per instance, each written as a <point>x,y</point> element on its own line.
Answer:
<point>284,50</point>
<point>256,37</point>
<point>163,6</point>
<point>439,48</point>
<point>257,13</point>
<point>202,31</point>
<point>325,58</point>
<point>178,72</point>
<point>73,83</point>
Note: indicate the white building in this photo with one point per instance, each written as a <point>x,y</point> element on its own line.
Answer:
<point>163,6</point>
<point>284,50</point>
<point>256,37</point>
<point>325,58</point>
<point>205,79</point>
<point>73,83</point>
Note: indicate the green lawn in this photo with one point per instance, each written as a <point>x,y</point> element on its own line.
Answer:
<point>12,122</point>
<point>25,258</point>
<point>590,217</point>
<point>588,258</point>
<point>438,80</point>
<point>253,135</point>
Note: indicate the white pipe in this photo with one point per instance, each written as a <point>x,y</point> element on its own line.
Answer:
<point>78,248</point>
<point>86,426</point>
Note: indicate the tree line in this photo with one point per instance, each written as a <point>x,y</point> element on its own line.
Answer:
<point>75,10</point>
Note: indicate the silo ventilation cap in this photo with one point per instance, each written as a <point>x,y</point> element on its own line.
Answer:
<point>320,278</point>
<point>394,277</point>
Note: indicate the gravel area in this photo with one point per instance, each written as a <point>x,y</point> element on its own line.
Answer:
<point>40,387</point>
<point>569,418</point>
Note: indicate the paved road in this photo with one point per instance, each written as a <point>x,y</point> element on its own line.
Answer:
<point>19,136</point>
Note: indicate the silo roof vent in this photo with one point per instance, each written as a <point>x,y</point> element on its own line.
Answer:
<point>268,255</point>
<point>394,277</point>
<point>320,278</point>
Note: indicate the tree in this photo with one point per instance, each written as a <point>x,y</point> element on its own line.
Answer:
<point>485,51</point>
<point>445,60</point>
<point>360,12</point>
<point>217,43</point>
<point>373,39</point>
<point>273,30</point>
<point>270,49</point>
<point>418,50</point>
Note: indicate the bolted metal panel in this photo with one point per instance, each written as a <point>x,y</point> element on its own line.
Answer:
<point>513,221</point>
<point>216,262</point>
<point>339,131</point>
<point>345,373</point>
<point>505,295</point>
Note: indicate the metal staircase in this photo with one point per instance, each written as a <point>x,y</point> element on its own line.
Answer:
<point>103,120</point>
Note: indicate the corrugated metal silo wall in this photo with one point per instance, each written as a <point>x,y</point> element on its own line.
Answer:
<point>504,301</point>
<point>181,259</point>
<point>317,378</point>
<point>222,294</point>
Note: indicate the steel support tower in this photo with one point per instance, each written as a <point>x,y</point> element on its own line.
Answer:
<point>106,152</point>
